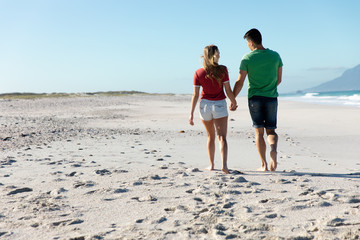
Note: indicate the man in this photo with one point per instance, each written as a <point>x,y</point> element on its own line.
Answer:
<point>264,70</point>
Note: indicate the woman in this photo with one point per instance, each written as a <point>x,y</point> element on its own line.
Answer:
<point>213,78</point>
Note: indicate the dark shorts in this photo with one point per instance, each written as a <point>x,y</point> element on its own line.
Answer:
<point>263,111</point>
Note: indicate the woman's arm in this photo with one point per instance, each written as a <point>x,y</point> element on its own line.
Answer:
<point>231,96</point>
<point>194,100</point>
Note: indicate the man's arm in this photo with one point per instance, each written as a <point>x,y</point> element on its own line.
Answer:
<point>231,96</point>
<point>239,82</point>
<point>279,76</point>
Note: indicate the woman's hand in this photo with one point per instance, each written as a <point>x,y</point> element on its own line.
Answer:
<point>194,100</point>
<point>233,106</point>
<point>191,120</point>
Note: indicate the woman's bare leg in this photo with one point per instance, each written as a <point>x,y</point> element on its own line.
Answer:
<point>221,130</point>
<point>210,130</point>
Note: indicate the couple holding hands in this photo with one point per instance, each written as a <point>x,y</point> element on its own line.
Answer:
<point>264,70</point>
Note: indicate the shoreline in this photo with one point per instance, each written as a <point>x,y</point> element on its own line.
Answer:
<point>331,100</point>
<point>129,167</point>
<point>30,95</point>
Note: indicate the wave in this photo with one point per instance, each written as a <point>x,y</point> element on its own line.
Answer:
<point>349,98</point>
<point>310,95</point>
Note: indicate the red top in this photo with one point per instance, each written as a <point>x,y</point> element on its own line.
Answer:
<point>210,88</point>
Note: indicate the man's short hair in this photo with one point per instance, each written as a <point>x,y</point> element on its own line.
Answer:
<point>254,35</point>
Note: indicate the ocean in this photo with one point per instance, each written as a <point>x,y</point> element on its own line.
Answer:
<point>344,98</point>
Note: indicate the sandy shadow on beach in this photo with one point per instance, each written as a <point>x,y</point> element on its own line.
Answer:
<point>313,174</point>
<point>355,175</point>
<point>332,175</point>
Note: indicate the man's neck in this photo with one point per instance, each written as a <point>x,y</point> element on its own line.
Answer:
<point>259,47</point>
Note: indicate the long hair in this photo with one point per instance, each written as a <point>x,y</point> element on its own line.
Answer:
<point>212,68</point>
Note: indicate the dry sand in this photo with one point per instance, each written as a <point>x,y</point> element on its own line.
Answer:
<point>130,167</point>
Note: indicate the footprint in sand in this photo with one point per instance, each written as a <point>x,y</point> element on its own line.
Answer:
<point>232,192</point>
<point>84,184</point>
<point>240,180</point>
<point>20,190</point>
<point>121,190</point>
<point>336,222</point>
<point>298,207</point>
<point>103,172</point>
<point>72,174</point>
<point>156,177</point>
<point>197,199</point>
<point>229,205</point>
<point>139,220</point>
<point>67,222</point>
<point>148,198</point>
<point>272,215</point>
<point>164,167</point>
<point>195,170</point>
<point>120,171</point>
<point>57,192</point>
<point>324,204</point>
<point>160,220</point>
<point>247,209</point>
<point>282,181</point>
<point>190,190</point>
<point>353,200</point>
<point>137,183</point>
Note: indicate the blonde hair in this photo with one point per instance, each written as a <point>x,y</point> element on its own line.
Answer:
<point>212,68</point>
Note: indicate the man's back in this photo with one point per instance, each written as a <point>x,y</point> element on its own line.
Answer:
<point>262,68</point>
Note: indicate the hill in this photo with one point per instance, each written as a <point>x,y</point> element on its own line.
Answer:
<point>348,81</point>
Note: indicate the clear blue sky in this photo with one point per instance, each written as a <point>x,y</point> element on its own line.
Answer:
<point>155,46</point>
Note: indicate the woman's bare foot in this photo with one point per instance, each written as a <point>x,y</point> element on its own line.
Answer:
<point>225,170</point>
<point>273,162</point>
<point>210,168</point>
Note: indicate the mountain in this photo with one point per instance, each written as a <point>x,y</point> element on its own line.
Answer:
<point>349,81</point>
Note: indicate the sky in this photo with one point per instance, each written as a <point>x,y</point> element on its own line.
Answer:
<point>156,46</point>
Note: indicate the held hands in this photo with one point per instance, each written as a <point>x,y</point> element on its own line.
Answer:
<point>233,106</point>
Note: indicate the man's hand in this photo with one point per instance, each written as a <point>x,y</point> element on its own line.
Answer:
<point>233,106</point>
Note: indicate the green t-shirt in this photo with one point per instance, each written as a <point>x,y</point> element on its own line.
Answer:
<point>262,68</point>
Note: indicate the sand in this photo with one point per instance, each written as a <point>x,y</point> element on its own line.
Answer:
<point>131,167</point>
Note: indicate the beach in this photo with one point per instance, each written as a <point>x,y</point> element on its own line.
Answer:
<point>131,167</point>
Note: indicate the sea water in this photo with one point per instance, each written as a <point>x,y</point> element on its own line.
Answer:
<point>344,98</point>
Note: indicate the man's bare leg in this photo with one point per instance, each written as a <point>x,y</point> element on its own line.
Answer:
<point>273,141</point>
<point>261,148</point>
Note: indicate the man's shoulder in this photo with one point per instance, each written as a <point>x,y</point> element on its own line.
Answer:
<point>273,52</point>
<point>247,55</point>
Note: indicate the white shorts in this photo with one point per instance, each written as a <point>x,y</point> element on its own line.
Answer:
<point>210,110</point>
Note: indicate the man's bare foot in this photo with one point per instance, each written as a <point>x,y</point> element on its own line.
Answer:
<point>273,165</point>
<point>273,162</point>
<point>225,170</point>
